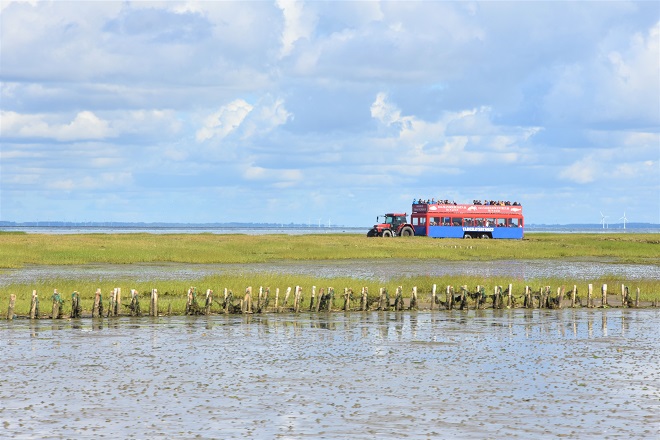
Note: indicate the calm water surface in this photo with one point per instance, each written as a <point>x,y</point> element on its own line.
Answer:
<point>382,270</point>
<point>587,373</point>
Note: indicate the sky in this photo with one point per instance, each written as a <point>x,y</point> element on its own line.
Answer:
<point>327,112</point>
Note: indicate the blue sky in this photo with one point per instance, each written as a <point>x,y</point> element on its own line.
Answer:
<point>327,111</point>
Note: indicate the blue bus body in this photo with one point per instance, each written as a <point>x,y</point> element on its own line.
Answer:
<point>438,220</point>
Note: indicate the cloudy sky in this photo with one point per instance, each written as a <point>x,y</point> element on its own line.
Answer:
<point>335,112</point>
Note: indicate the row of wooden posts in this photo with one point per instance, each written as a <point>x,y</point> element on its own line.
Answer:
<point>454,299</point>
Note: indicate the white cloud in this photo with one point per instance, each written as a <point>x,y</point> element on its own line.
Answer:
<point>85,125</point>
<point>299,23</point>
<point>582,171</point>
<point>278,178</point>
<point>224,121</point>
<point>281,100</point>
<point>465,137</point>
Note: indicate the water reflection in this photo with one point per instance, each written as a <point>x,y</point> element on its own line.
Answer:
<point>335,375</point>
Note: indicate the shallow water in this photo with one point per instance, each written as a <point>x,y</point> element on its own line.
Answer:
<point>586,373</point>
<point>381,270</point>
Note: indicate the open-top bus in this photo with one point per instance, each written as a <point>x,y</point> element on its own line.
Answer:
<point>441,220</point>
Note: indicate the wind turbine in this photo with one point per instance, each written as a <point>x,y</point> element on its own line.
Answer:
<point>624,219</point>
<point>602,219</point>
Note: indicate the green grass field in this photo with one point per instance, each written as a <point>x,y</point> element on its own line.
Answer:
<point>19,249</point>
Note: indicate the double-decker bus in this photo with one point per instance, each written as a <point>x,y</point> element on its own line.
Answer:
<point>441,220</point>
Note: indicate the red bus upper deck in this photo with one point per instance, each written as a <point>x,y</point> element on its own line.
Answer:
<point>441,220</point>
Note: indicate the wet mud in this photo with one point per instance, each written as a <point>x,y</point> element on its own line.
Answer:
<point>584,373</point>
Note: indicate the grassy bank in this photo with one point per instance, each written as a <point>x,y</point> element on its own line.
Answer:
<point>173,294</point>
<point>17,250</point>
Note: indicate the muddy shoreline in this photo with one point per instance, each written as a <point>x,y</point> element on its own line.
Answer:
<point>583,373</point>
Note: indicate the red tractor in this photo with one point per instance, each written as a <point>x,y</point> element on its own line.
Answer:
<point>394,225</point>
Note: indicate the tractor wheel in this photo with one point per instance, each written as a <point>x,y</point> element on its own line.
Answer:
<point>386,233</point>
<point>407,231</point>
<point>467,236</point>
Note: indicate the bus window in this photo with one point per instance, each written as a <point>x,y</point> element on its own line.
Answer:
<point>446,221</point>
<point>513,222</point>
<point>501,222</point>
<point>478,222</point>
<point>456,221</point>
<point>435,221</point>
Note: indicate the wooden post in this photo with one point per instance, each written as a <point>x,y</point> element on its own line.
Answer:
<point>560,296</point>
<point>398,299</point>
<point>111,302</point>
<point>209,301</point>
<point>363,302</point>
<point>322,298</point>
<point>97,308</point>
<point>135,303</point>
<point>603,301</point>
<point>153,305</point>
<point>247,301</point>
<point>573,295</point>
<point>75,305</point>
<point>637,298</point>
<point>34,305</point>
<point>286,297</point>
<point>450,297</point>
<point>296,299</point>
<point>527,297</point>
<point>509,301</point>
<point>277,300</point>
<point>496,296</point>
<point>331,298</point>
<point>313,300</point>
<point>266,299</point>
<point>117,301</point>
<point>347,299</point>
<point>10,309</point>
<point>225,300</point>
<point>57,305</point>
<point>413,299</point>
<point>590,291</point>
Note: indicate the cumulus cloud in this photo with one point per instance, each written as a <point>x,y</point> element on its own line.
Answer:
<point>85,125</point>
<point>327,101</point>
<point>298,24</point>
<point>459,137</point>
<point>224,121</point>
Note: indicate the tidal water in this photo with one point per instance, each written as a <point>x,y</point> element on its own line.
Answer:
<point>581,373</point>
<point>380,270</point>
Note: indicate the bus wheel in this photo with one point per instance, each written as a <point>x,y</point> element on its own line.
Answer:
<point>407,231</point>
<point>485,236</point>
<point>467,236</point>
<point>386,233</point>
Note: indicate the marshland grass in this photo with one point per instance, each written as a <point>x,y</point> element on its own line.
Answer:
<point>17,250</point>
<point>173,294</point>
<point>20,249</point>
